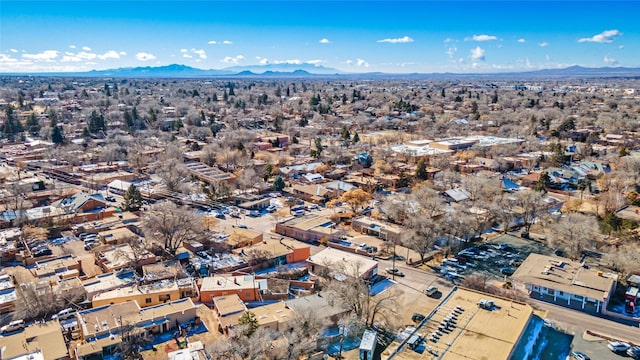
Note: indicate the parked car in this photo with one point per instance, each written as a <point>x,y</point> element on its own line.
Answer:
<point>417,317</point>
<point>507,271</point>
<point>394,271</point>
<point>431,290</point>
<point>110,198</point>
<point>577,355</point>
<point>298,213</point>
<point>63,314</point>
<point>12,326</point>
<point>271,208</point>
<point>618,346</point>
<point>634,352</point>
<point>254,213</point>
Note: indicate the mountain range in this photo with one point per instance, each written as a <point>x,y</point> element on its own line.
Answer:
<point>288,70</point>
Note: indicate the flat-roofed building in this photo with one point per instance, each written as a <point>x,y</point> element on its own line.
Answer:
<point>283,251</point>
<point>378,228</point>
<point>171,269</point>
<point>229,309</point>
<point>100,328</point>
<point>341,264</point>
<point>459,328</point>
<point>566,282</point>
<point>246,287</point>
<point>159,292</point>
<point>122,256</point>
<point>309,228</point>
<point>243,237</point>
<point>116,236</point>
<point>40,339</point>
<point>8,294</point>
<point>275,316</point>
<point>62,267</point>
<point>108,281</point>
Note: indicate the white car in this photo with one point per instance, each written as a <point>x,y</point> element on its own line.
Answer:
<point>12,326</point>
<point>63,314</point>
<point>618,346</point>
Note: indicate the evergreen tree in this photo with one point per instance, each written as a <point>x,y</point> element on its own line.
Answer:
<point>266,171</point>
<point>57,137</point>
<point>356,138</point>
<point>248,322</point>
<point>421,170</point>
<point>214,98</point>
<point>33,126</point>
<point>132,199</point>
<point>128,120</point>
<point>96,122</point>
<point>278,183</point>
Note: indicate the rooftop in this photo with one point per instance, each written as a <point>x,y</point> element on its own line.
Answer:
<point>343,263</point>
<point>308,222</point>
<point>565,275</point>
<point>226,283</point>
<point>478,333</point>
<point>45,337</point>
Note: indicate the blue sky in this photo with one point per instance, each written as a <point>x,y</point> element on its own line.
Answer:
<point>357,36</point>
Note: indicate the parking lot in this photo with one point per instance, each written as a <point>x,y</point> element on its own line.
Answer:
<point>500,256</point>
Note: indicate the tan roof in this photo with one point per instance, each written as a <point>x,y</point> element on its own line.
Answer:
<point>342,262</point>
<point>46,337</point>
<point>565,275</point>
<point>240,282</point>
<point>479,333</point>
<point>307,222</point>
<point>315,190</point>
<point>277,312</point>
<point>229,304</point>
<point>96,346</point>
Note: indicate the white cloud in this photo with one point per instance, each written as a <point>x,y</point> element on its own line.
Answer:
<point>71,58</point>
<point>122,53</point>
<point>86,48</point>
<point>6,59</point>
<point>143,56</point>
<point>233,59</point>
<point>212,42</point>
<point>606,36</point>
<point>315,62</point>
<point>620,46</point>
<point>451,51</point>
<point>47,55</point>
<point>481,38</point>
<point>404,39</point>
<point>227,42</point>
<point>610,61</point>
<point>264,61</point>
<point>325,41</point>
<point>86,55</point>
<point>543,44</point>
<point>111,54</point>
<point>187,56</point>
<point>201,53</point>
<point>358,62</point>
<point>13,50</point>
<point>448,40</point>
<point>522,40</point>
<point>477,54</point>
<point>292,62</point>
<point>72,46</point>
<point>183,50</point>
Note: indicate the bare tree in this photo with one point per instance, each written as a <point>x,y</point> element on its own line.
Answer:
<point>172,225</point>
<point>530,204</point>
<point>173,174</point>
<point>573,233</point>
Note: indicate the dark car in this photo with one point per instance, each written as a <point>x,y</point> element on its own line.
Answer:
<point>110,198</point>
<point>417,317</point>
<point>507,271</point>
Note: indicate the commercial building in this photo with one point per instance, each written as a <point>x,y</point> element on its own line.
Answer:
<point>566,282</point>
<point>466,325</point>
<point>309,228</point>
<point>283,251</point>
